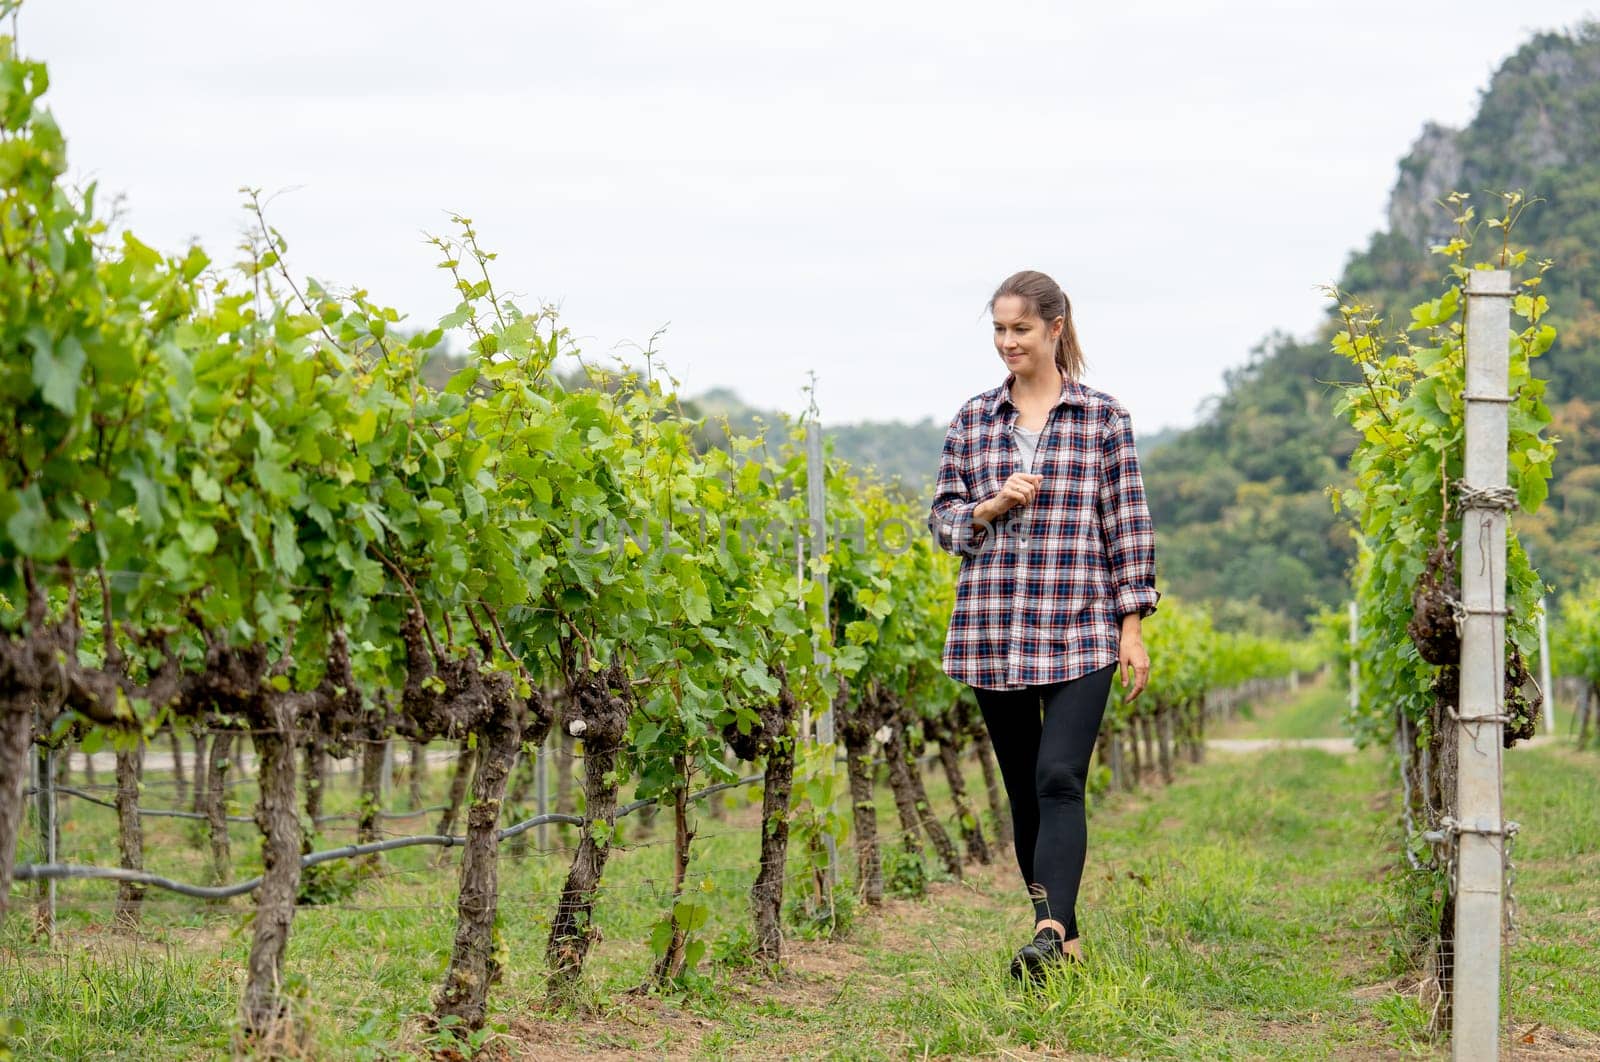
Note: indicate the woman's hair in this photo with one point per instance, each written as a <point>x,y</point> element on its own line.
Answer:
<point>1044,297</point>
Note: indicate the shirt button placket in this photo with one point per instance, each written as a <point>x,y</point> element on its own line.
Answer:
<point>1017,534</point>
<point>1019,596</point>
<point>1023,535</point>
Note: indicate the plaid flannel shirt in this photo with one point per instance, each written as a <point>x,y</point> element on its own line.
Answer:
<point>1042,592</point>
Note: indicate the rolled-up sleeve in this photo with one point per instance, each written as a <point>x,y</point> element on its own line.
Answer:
<point>950,518</point>
<point>1125,519</point>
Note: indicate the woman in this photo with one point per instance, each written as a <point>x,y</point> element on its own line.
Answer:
<point>1039,492</point>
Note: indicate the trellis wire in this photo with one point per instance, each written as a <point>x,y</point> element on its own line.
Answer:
<point>79,791</point>
<point>62,871</point>
<point>1404,751</point>
<point>172,813</point>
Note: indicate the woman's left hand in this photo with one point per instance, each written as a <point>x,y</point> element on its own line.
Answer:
<point>1132,656</point>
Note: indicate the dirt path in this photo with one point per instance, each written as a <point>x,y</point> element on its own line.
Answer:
<point>1333,744</point>
<point>1247,745</point>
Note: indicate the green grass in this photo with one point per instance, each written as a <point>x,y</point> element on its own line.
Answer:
<point>1555,966</point>
<point>1316,711</point>
<point>1241,913</point>
<point>1566,721</point>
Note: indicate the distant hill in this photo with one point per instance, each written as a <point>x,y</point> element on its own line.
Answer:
<point>892,450</point>
<point>1238,499</point>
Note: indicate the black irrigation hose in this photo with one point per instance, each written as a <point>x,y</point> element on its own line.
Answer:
<point>61,871</point>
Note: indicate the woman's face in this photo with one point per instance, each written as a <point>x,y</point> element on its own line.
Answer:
<point>1025,343</point>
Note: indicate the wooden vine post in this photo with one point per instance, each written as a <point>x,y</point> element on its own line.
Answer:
<point>1479,826</point>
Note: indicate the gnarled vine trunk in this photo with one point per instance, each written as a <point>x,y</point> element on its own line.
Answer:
<point>930,821</point>
<point>642,825</point>
<point>1586,712</point>
<point>971,829</point>
<point>562,768</point>
<point>180,776</point>
<point>991,784</point>
<point>48,812</point>
<point>416,773</point>
<point>1441,766</point>
<point>279,821</point>
<point>716,805</point>
<point>130,833</point>
<point>855,724</point>
<point>473,968</point>
<point>458,790</point>
<point>766,895</point>
<point>1164,741</point>
<point>1147,733</point>
<point>371,799</point>
<point>316,756</point>
<point>905,795</point>
<point>202,771</point>
<point>670,962</point>
<point>773,736</point>
<point>216,806</point>
<point>523,775</point>
<point>16,728</point>
<point>911,797</point>
<point>601,718</point>
<point>1111,755</point>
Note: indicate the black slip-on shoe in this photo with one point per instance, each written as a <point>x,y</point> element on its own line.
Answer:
<point>1046,949</point>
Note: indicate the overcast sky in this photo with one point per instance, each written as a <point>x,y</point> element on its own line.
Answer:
<point>826,186</point>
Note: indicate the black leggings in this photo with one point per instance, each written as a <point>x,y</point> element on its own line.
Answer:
<point>1044,765</point>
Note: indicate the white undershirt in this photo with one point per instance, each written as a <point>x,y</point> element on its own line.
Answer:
<point>1027,443</point>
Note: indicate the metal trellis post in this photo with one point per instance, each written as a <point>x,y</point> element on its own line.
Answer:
<point>816,507</point>
<point>541,785</point>
<point>1355,664</point>
<point>1546,686</point>
<point>45,790</point>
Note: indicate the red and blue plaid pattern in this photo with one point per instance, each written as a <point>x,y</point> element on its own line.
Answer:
<point>1041,594</point>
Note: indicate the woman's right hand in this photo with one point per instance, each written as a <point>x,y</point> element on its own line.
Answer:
<point>1019,489</point>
